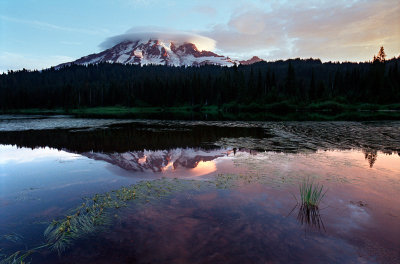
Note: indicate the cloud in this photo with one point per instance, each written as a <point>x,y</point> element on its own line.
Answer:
<point>331,30</point>
<point>14,61</point>
<point>164,35</point>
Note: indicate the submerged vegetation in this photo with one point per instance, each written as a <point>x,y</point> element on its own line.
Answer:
<point>96,212</point>
<point>17,258</point>
<point>20,256</point>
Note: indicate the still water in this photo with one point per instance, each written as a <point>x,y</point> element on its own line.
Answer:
<point>206,192</point>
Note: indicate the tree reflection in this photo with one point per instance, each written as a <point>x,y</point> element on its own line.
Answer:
<point>371,156</point>
<point>139,136</point>
<point>128,137</point>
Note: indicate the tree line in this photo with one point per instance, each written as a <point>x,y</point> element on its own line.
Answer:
<point>296,81</point>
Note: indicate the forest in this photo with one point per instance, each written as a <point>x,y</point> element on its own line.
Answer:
<point>298,82</point>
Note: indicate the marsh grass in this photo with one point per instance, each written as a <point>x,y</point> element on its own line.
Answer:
<point>311,193</point>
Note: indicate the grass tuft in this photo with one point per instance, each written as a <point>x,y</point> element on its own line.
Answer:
<point>311,193</point>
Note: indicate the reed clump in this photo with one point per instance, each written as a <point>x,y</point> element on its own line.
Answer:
<point>311,193</point>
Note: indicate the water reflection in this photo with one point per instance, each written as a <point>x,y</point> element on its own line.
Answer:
<point>128,135</point>
<point>371,156</point>
<point>245,220</point>
<point>155,145</point>
<point>192,161</point>
<point>256,207</point>
<point>310,217</point>
<point>10,154</point>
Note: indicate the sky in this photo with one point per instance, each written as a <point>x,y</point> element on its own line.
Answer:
<point>36,34</point>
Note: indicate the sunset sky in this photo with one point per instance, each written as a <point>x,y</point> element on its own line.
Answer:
<point>40,33</point>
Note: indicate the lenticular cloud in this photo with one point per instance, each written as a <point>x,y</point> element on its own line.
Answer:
<point>178,37</point>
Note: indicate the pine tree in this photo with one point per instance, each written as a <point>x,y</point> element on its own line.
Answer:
<point>290,84</point>
<point>381,57</point>
<point>312,91</point>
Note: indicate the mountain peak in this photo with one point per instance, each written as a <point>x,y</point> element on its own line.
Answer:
<point>254,59</point>
<point>157,52</point>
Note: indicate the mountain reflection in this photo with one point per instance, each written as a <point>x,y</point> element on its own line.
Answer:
<point>132,139</point>
<point>198,161</point>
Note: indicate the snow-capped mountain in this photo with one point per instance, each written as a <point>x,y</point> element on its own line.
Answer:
<point>155,52</point>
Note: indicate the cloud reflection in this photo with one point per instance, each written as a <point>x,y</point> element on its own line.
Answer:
<point>11,154</point>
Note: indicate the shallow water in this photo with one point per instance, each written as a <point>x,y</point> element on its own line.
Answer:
<point>246,206</point>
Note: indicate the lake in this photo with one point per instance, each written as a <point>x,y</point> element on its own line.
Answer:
<point>75,190</point>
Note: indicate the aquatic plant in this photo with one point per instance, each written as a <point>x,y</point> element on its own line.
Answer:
<point>19,257</point>
<point>311,193</point>
<point>13,237</point>
<point>94,213</point>
<point>16,258</point>
<point>87,219</point>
